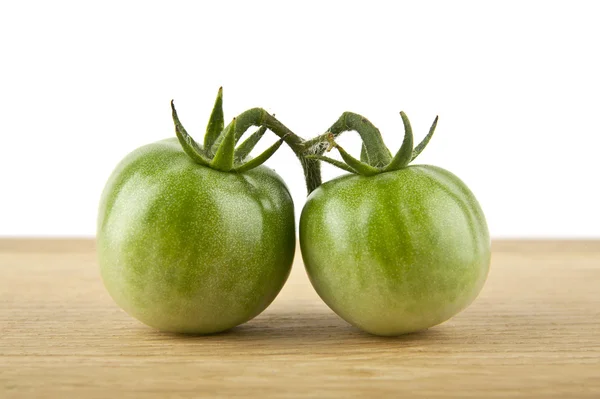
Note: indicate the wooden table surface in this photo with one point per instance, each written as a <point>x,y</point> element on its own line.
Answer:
<point>533,332</point>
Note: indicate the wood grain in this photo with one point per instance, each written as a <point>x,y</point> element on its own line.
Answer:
<point>533,332</point>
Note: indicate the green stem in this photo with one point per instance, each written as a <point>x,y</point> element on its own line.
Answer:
<point>220,153</point>
<point>260,117</point>
<point>376,151</point>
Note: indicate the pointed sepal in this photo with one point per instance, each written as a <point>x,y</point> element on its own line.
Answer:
<point>259,160</point>
<point>374,150</point>
<point>223,159</point>
<point>244,149</point>
<point>243,122</point>
<point>333,162</point>
<point>215,123</point>
<point>361,167</point>
<point>404,154</point>
<point>189,145</point>
<point>418,149</point>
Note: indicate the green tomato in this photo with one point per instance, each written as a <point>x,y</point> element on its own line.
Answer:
<point>186,248</point>
<point>396,252</point>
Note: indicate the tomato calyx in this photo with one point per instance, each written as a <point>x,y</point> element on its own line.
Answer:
<point>219,150</point>
<point>375,156</point>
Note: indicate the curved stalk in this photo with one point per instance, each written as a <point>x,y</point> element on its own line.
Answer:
<point>220,152</point>
<point>375,156</point>
<point>261,118</point>
<point>374,151</point>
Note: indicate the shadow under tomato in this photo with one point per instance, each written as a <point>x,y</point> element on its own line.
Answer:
<point>316,331</point>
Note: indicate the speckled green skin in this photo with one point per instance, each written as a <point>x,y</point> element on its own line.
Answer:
<point>185,248</point>
<point>396,252</point>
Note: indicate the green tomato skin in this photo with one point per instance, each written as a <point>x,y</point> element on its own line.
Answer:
<point>397,252</point>
<point>188,249</point>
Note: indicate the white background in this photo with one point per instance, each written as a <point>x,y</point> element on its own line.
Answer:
<point>516,85</point>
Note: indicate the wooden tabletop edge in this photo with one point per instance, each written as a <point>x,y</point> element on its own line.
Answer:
<point>88,244</point>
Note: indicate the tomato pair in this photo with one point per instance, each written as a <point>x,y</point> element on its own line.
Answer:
<point>200,238</point>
